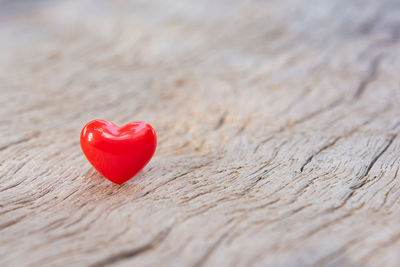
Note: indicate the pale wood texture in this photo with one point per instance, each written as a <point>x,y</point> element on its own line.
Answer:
<point>278,127</point>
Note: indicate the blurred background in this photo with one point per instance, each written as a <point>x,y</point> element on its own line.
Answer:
<point>205,62</point>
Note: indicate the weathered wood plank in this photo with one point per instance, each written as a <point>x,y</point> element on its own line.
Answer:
<point>278,126</point>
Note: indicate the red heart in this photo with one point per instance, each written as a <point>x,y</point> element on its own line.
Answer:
<point>118,153</point>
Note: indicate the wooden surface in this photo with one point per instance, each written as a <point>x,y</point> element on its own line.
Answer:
<point>278,125</point>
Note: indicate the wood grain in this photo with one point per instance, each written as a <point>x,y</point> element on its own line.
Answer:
<point>278,126</point>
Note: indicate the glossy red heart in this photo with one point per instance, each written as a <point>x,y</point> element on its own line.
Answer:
<point>118,153</point>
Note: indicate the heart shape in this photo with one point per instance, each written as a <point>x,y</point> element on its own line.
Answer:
<point>118,153</point>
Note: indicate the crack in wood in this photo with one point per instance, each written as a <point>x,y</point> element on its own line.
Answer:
<point>23,140</point>
<point>266,140</point>
<point>325,147</point>
<point>372,163</point>
<point>318,112</point>
<point>174,178</point>
<point>221,121</point>
<point>261,177</point>
<point>391,188</point>
<point>331,256</point>
<point>366,172</point>
<point>213,247</point>
<point>129,254</point>
<point>12,222</point>
<point>369,77</point>
<point>375,251</point>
